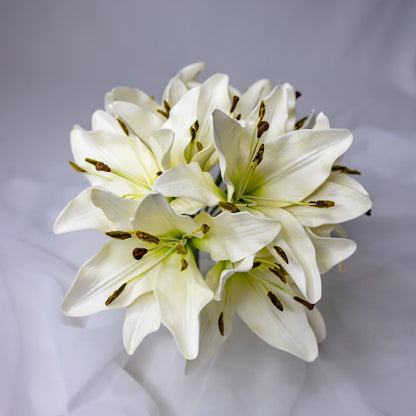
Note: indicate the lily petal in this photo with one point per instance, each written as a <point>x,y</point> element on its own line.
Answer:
<point>235,236</point>
<point>189,181</point>
<point>291,158</point>
<point>331,251</point>
<point>115,150</point>
<point>81,213</point>
<point>130,95</point>
<point>189,73</point>
<point>118,210</point>
<point>316,321</point>
<point>140,120</point>
<point>287,330</point>
<point>349,204</point>
<point>182,116</point>
<point>211,338</point>
<point>233,147</point>
<point>252,97</point>
<point>155,216</point>
<point>174,91</point>
<point>142,318</point>
<point>99,277</point>
<point>298,240</point>
<point>280,112</point>
<point>181,295</point>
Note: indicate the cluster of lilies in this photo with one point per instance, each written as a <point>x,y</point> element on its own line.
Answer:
<point>211,170</point>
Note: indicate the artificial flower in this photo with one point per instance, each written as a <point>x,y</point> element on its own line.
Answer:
<point>265,297</point>
<point>286,177</point>
<point>149,266</point>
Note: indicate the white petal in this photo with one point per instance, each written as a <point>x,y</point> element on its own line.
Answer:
<point>293,267</point>
<point>105,122</point>
<point>322,122</point>
<point>155,216</point>
<point>349,204</point>
<point>161,144</point>
<point>189,181</point>
<point>296,164</point>
<point>280,112</point>
<point>252,97</point>
<point>186,206</point>
<point>181,296</point>
<point>346,180</point>
<point>217,282</point>
<point>174,91</point>
<point>299,242</point>
<point>316,321</point>
<point>141,121</point>
<point>99,277</point>
<point>213,95</point>
<point>182,116</point>
<point>235,236</point>
<point>81,213</point>
<point>211,339</point>
<point>142,318</point>
<point>331,251</point>
<point>233,147</point>
<point>115,150</point>
<point>189,73</point>
<point>118,210</point>
<point>287,330</point>
<point>131,95</point>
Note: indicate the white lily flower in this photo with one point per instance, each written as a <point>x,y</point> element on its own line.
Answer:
<point>283,175</point>
<point>135,142</point>
<point>261,292</point>
<point>149,266</point>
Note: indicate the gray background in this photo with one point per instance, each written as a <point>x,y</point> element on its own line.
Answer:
<point>355,60</point>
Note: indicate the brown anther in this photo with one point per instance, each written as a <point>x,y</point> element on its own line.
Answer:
<point>91,161</point>
<point>298,94</point>
<point>167,107</point>
<point>228,206</point>
<point>123,126</point>
<point>199,146</point>
<point>148,238</point>
<point>262,110</point>
<point>205,228</point>
<point>159,173</point>
<point>119,235</point>
<point>280,272</point>
<point>304,302</point>
<point>281,253</point>
<point>259,155</point>
<point>262,127</point>
<point>299,124</point>
<point>344,169</point>
<point>180,249</point>
<point>221,323</point>
<point>275,300</point>
<point>368,213</point>
<point>115,294</point>
<point>238,116</point>
<point>234,103</point>
<point>256,264</point>
<point>139,252</point>
<point>100,166</point>
<point>76,167</point>
<point>184,264</point>
<point>322,204</point>
<point>162,113</point>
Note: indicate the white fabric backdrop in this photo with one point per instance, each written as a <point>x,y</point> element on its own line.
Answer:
<point>354,60</point>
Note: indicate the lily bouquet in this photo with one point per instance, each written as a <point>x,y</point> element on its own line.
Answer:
<point>212,170</point>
